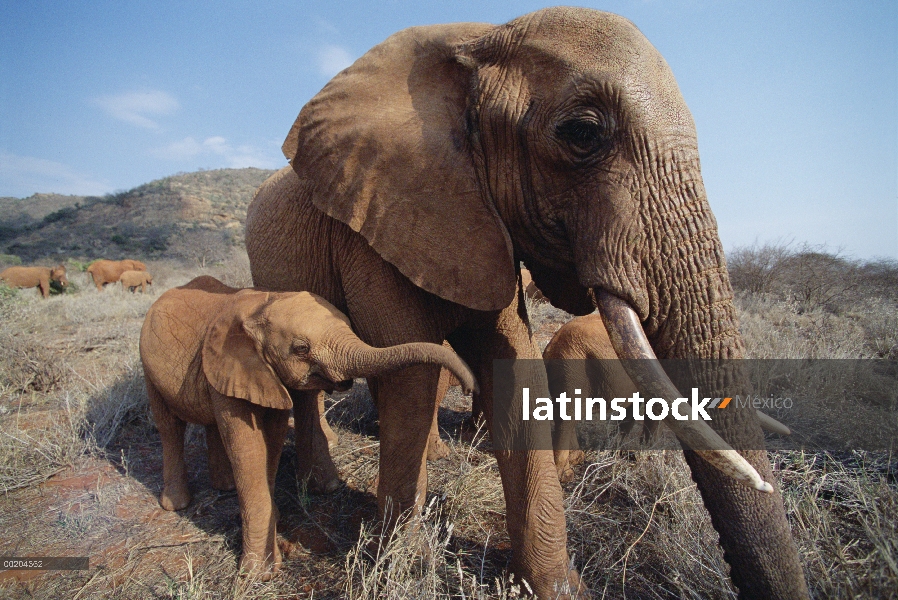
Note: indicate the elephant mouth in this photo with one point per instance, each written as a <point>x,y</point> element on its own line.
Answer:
<point>632,346</point>
<point>317,381</point>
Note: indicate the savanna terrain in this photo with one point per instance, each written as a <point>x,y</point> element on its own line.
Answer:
<point>80,460</point>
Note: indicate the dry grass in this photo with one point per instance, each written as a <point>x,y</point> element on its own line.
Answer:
<point>80,474</point>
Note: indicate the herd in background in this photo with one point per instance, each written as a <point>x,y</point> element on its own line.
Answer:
<point>132,274</point>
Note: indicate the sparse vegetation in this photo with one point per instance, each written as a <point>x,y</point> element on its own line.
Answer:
<point>80,471</point>
<point>808,303</point>
<point>157,220</point>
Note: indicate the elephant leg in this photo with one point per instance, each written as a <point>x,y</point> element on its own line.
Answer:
<point>437,448</point>
<point>566,450</point>
<point>45,288</point>
<point>276,425</point>
<point>332,438</point>
<point>313,458</point>
<point>406,408</point>
<point>221,475</point>
<point>243,433</point>
<point>533,496</point>
<point>175,490</point>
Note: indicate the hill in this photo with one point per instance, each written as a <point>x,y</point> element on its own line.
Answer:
<point>190,215</point>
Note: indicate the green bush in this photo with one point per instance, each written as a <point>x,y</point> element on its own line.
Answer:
<point>7,292</point>
<point>56,289</point>
<point>63,214</point>
<point>76,265</point>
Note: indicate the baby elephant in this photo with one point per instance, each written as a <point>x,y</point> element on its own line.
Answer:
<point>226,358</point>
<point>39,277</point>
<point>131,280</point>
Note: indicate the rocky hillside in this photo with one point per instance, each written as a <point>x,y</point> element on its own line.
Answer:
<point>198,216</point>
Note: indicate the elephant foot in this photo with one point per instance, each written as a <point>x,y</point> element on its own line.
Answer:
<point>565,461</point>
<point>319,474</point>
<point>332,438</point>
<point>416,545</point>
<point>436,449</point>
<point>175,497</point>
<point>222,480</point>
<point>326,485</point>
<point>572,589</point>
<point>262,569</point>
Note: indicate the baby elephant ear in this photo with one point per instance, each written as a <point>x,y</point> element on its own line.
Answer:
<point>386,148</point>
<point>232,362</point>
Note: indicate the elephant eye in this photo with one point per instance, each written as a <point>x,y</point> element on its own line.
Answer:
<point>301,347</point>
<point>588,135</point>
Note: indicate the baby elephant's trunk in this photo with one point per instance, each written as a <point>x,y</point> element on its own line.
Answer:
<point>367,361</point>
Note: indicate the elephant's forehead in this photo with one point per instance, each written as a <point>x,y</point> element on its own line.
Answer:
<point>588,45</point>
<point>580,33</point>
<point>306,310</point>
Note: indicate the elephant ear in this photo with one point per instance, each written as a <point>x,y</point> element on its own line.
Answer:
<point>384,148</point>
<point>233,363</point>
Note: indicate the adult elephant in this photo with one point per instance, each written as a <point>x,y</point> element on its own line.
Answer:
<point>36,277</point>
<point>109,271</point>
<point>424,172</point>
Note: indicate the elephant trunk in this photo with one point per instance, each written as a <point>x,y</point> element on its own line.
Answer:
<point>362,360</point>
<point>691,315</point>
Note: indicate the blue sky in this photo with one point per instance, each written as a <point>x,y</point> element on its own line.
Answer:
<point>796,102</point>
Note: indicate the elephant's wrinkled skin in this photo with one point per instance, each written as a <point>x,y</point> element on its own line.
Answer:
<point>236,361</point>
<point>39,277</point>
<point>131,280</point>
<point>424,172</point>
<point>108,271</point>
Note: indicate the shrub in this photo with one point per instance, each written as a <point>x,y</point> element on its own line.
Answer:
<point>7,292</point>
<point>757,269</point>
<point>810,276</point>
<point>10,259</point>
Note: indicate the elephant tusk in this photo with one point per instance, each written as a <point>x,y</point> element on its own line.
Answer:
<point>770,424</point>
<point>629,342</point>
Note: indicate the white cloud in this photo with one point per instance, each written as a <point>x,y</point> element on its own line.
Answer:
<point>217,147</point>
<point>325,26</point>
<point>333,59</point>
<point>21,176</point>
<point>137,107</point>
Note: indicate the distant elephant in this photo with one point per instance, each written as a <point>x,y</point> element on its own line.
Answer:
<point>236,361</point>
<point>131,280</point>
<point>39,277</point>
<point>108,271</point>
<point>423,174</point>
